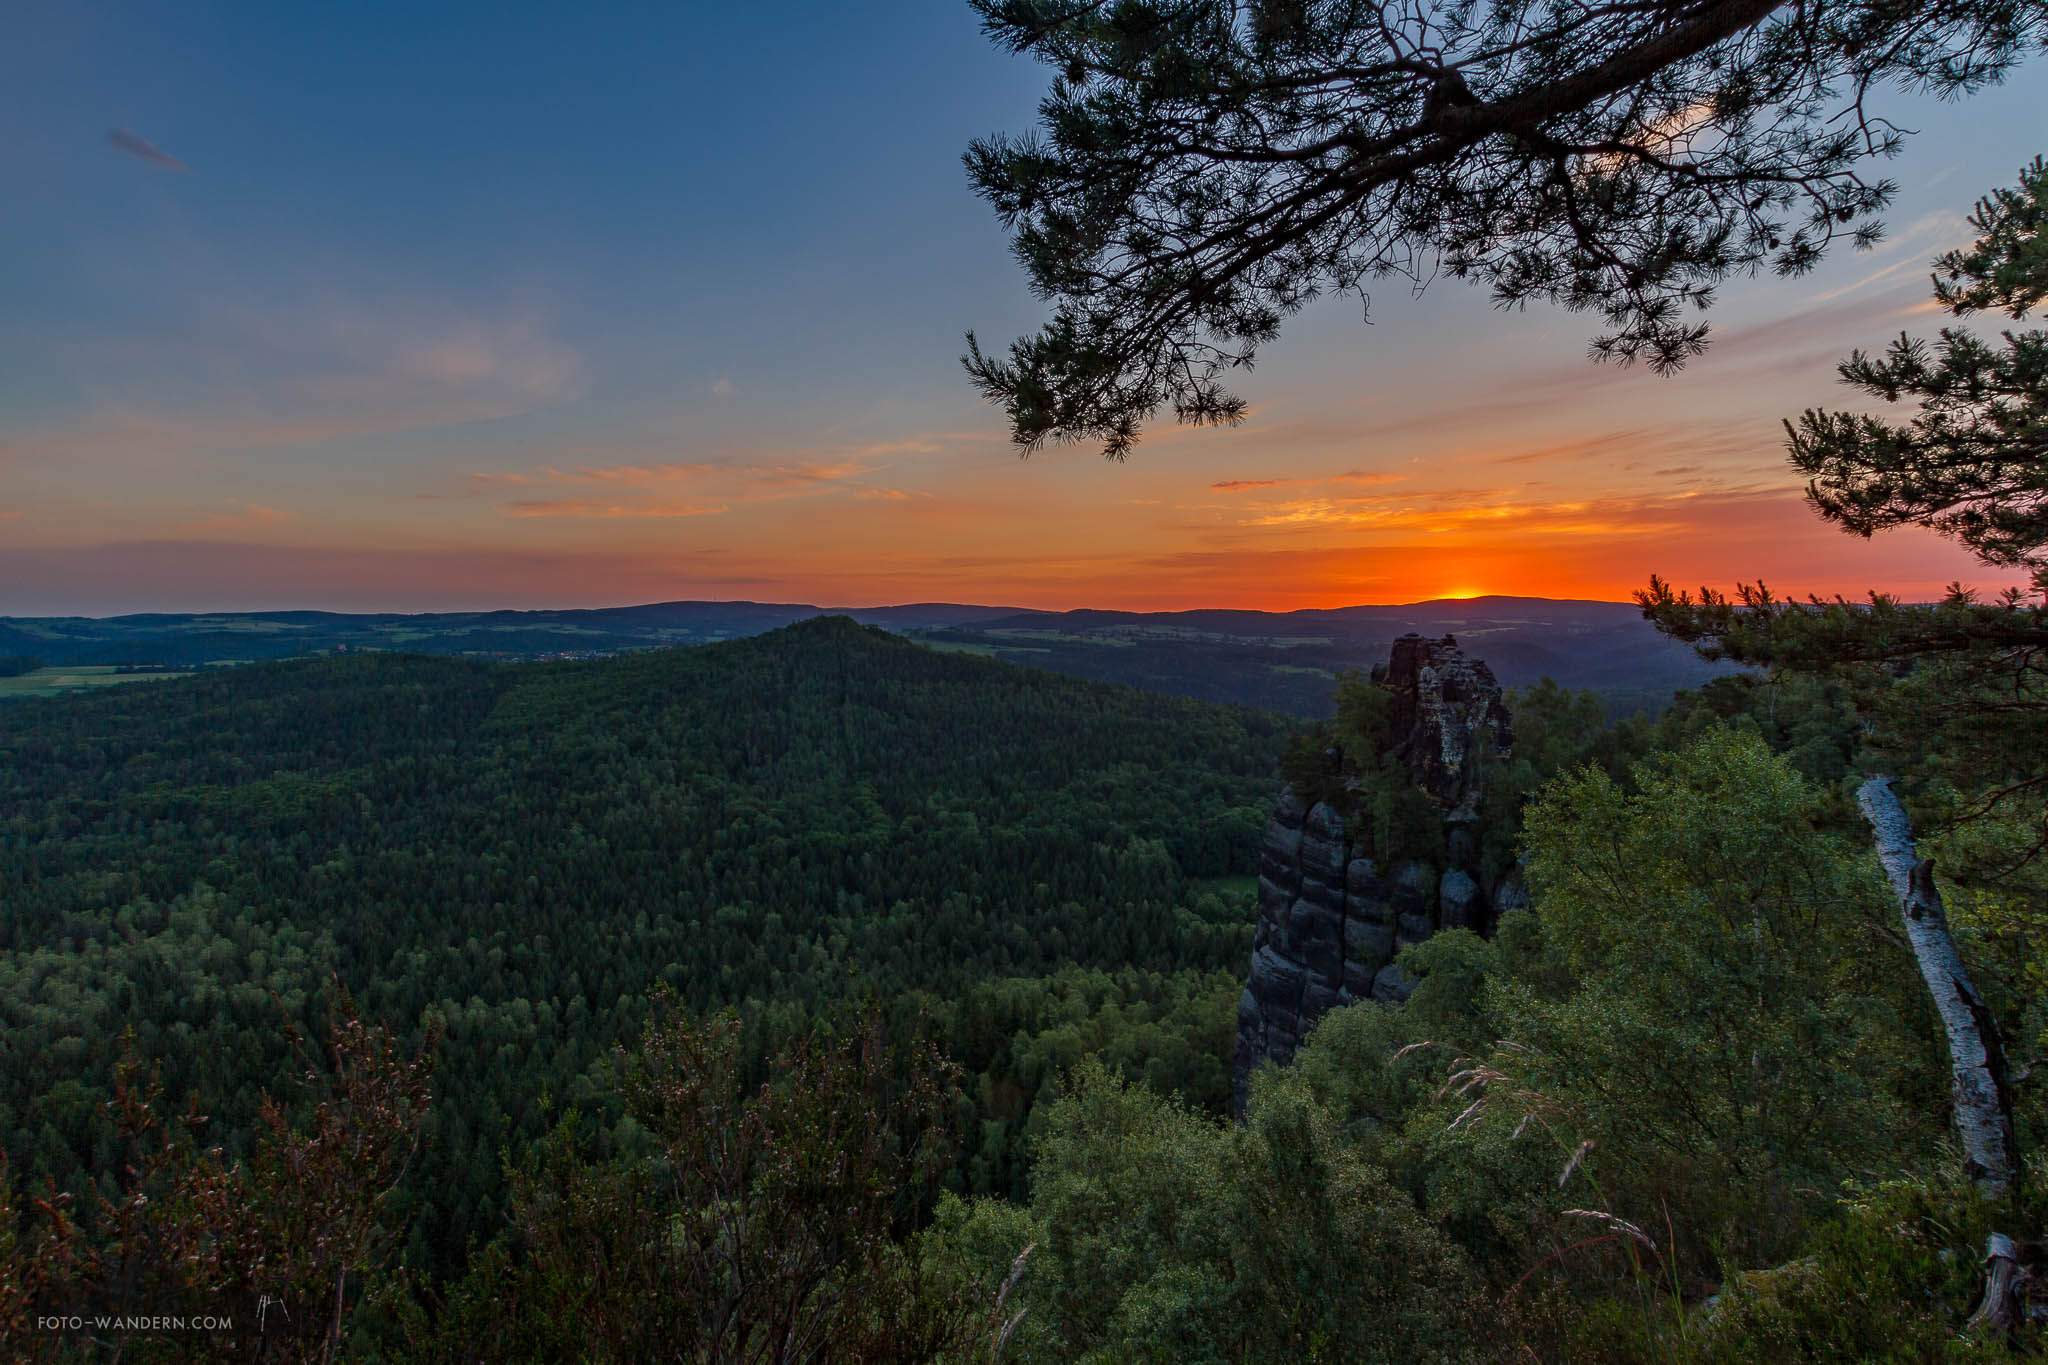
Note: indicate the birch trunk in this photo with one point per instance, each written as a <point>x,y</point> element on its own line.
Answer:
<point>1982,1102</point>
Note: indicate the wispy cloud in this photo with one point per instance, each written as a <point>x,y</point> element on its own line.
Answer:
<point>1929,234</point>
<point>328,372</point>
<point>795,474</point>
<point>251,516</point>
<point>650,490</point>
<point>915,445</point>
<point>140,147</point>
<point>585,508</point>
<point>677,471</point>
<point>1365,477</point>
<point>806,473</point>
<point>1576,450</point>
<point>1628,449</point>
<point>1492,514</point>
<point>513,358</point>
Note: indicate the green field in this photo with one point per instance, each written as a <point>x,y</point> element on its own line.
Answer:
<point>981,650</point>
<point>1060,637</point>
<point>49,682</point>
<point>244,624</point>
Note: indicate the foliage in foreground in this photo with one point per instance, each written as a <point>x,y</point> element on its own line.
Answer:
<point>762,1223</point>
<point>265,1258</point>
<point>1672,1112</point>
<point>1163,1234</point>
<point>1690,1095</point>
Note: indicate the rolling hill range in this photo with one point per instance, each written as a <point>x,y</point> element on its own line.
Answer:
<point>1288,661</point>
<point>189,638</point>
<point>1279,661</point>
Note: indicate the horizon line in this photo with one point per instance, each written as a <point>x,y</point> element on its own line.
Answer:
<point>833,609</point>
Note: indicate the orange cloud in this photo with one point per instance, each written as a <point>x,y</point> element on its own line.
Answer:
<point>680,471</point>
<point>1352,476</point>
<point>811,473</point>
<point>636,474</point>
<point>1550,478</point>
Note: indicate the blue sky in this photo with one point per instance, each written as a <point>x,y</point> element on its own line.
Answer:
<point>426,306</point>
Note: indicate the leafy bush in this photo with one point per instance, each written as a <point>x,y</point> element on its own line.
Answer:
<point>1163,1234</point>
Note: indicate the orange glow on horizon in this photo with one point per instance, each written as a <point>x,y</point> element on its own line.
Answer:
<point>1041,552</point>
<point>1559,481</point>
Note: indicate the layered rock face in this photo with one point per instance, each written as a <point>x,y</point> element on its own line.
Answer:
<point>1331,915</point>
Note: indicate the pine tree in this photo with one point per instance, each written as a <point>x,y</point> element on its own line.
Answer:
<point>1956,689</point>
<point>1974,463</point>
<point>1206,167</point>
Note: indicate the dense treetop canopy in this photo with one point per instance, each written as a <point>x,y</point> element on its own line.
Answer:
<point>1205,167</point>
<point>524,852</point>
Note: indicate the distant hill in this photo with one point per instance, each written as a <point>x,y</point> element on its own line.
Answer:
<point>193,638</point>
<point>1287,661</point>
<point>1279,661</point>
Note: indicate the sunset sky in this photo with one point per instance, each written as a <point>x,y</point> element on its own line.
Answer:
<point>401,306</point>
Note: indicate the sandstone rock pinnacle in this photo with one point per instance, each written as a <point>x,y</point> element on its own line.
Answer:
<point>1332,913</point>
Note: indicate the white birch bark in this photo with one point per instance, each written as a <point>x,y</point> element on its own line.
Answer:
<point>1982,1104</point>
<point>1983,1110</point>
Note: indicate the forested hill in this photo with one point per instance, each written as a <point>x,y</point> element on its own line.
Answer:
<point>187,639</point>
<point>525,850</point>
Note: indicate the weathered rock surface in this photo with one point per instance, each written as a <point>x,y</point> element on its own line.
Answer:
<point>1445,706</point>
<point>1332,916</point>
<point>1457,901</point>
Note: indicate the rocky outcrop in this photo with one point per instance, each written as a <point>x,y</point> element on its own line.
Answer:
<point>1444,704</point>
<point>1332,917</point>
